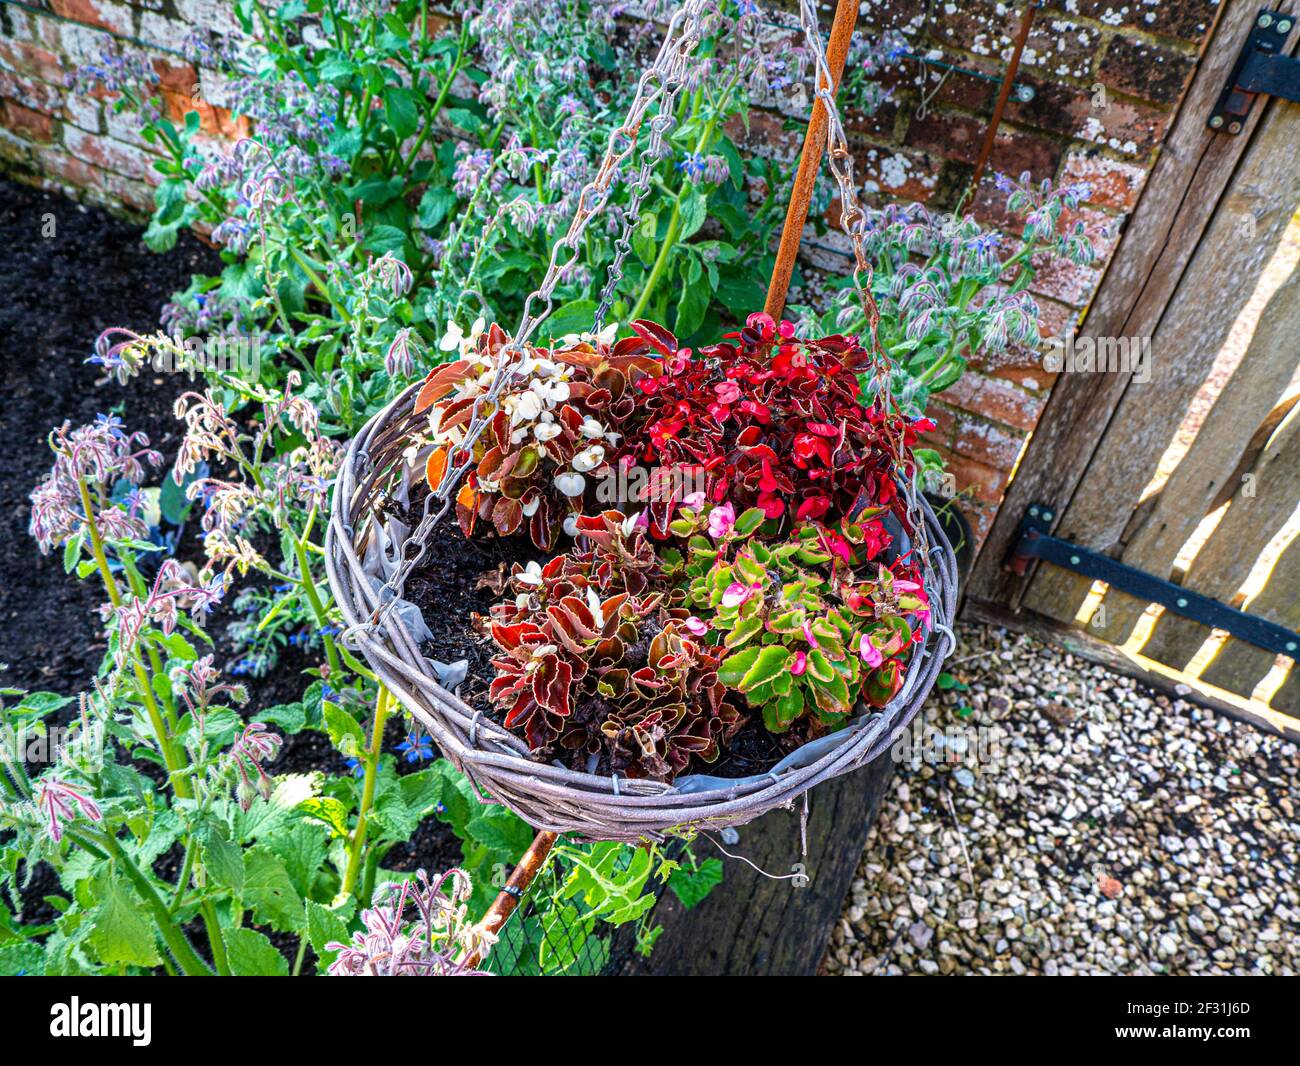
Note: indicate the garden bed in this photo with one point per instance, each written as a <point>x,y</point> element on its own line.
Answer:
<point>60,293</point>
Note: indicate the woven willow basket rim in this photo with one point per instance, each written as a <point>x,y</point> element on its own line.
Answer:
<point>548,797</point>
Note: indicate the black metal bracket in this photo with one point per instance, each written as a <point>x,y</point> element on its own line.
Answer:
<point>1035,541</point>
<point>1261,69</point>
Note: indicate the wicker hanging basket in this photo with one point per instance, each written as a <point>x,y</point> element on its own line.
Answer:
<point>375,471</point>
<point>552,797</point>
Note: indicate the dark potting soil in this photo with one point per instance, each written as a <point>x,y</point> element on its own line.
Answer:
<point>449,588</point>
<point>67,272</point>
<point>57,293</point>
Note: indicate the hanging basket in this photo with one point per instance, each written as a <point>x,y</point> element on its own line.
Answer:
<point>551,797</point>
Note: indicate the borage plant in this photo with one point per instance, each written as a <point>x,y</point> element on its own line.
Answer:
<point>949,290</point>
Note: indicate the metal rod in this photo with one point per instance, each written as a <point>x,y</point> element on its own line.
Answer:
<point>508,898</point>
<point>1004,93</point>
<point>1035,542</point>
<point>814,144</point>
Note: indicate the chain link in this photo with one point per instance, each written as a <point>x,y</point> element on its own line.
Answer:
<point>660,126</point>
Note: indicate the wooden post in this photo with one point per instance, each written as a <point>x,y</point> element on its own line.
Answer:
<point>814,144</point>
<point>508,898</point>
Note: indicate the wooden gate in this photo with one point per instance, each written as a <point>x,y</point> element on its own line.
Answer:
<point>1185,466</point>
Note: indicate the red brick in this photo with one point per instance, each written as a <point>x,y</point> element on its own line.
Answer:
<point>945,420</point>
<point>1125,126</point>
<point>981,521</point>
<point>107,153</point>
<point>108,16</point>
<point>1054,106</point>
<point>1062,280</point>
<point>995,399</point>
<point>1058,46</point>
<point>766,136</point>
<point>176,77</point>
<point>896,173</point>
<point>29,124</point>
<point>134,194</point>
<point>994,445</point>
<point>25,58</point>
<point>1190,20</point>
<point>1026,375</point>
<point>1145,70</point>
<point>981,482</point>
<point>960,137</point>
<point>31,92</point>
<point>73,171</point>
<point>1115,184</point>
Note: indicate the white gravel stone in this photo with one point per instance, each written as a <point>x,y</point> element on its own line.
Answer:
<point>1066,780</point>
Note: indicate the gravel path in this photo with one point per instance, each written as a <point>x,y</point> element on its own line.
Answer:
<point>1103,829</point>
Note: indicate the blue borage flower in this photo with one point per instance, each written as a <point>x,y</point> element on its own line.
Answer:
<point>416,747</point>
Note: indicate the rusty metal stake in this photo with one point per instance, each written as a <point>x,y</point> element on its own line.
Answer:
<point>1004,94</point>
<point>508,898</point>
<point>814,144</point>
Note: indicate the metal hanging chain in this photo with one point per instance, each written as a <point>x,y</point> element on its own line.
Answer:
<point>660,126</point>
<point>681,38</point>
<point>852,219</point>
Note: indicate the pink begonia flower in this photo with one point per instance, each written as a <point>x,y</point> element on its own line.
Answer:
<point>697,626</point>
<point>728,392</point>
<point>922,612</point>
<point>869,652</point>
<point>721,521</point>
<point>693,500</point>
<point>738,593</point>
<point>800,664</point>
<point>808,635</point>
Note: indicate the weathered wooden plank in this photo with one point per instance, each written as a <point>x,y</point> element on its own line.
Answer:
<point>1153,543</point>
<point>1216,286</point>
<point>1287,698</point>
<point>755,926</point>
<point>1187,181</point>
<point>1259,508</point>
<point>1238,666</point>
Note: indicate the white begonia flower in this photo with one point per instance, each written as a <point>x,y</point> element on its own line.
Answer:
<point>452,338</point>
<point>593,604</point>
<point>605,336</point>
<point>542,650</point>
<point>629,523</point>
<point>521,601</point>
<point>545,431</point>
<point>519,436</point>
<point>612,438</point>
<point>571,525</point>
<point>591,427</point>
<point>456,338</point>
<point>588,458</point>
<point>551,392</point>
<point>530,508</point>
<point>527,407</point>
<point>571,484</point>
<point>531,575</point>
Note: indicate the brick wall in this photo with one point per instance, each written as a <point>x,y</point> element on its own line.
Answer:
<point>1105,75</point>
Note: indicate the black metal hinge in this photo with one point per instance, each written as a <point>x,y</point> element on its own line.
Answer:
<point>1261,69</point>
<point>1034,541</point>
